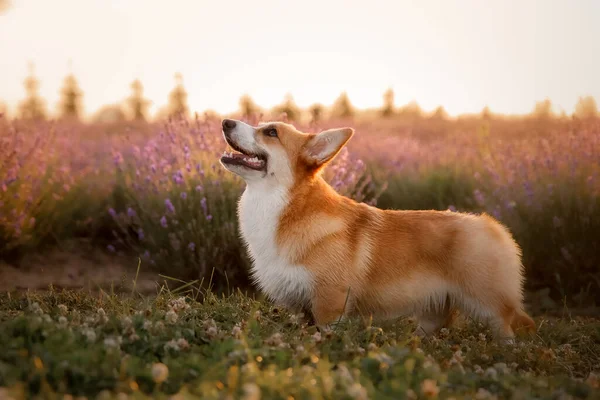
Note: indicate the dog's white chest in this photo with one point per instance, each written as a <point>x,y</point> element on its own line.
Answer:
<point>283,282</point>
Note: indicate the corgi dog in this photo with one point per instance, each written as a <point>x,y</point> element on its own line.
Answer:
<point>313,249</point>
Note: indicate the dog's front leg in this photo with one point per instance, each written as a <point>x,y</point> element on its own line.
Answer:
<point>329,305</point>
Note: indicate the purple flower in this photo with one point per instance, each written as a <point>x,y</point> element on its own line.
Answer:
<point>183,195</point>
<point>112,212</point>
<point>191,246</point>
<point>199,188</point>
<point>146,255</point>
<point>131,212</point>
<point>163,221</point>
<point>452,208</point>
<point>204,206</point>
<point>170,206</point>
<point>140,233</point>
<point>209,217</point>
<point>111,248</point>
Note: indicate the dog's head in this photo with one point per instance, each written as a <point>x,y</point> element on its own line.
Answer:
<point>277,152</point>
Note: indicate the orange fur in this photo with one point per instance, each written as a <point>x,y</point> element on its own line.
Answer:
<point>365,261</point>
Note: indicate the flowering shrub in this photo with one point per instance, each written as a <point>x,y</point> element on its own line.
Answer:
<point>179,204</point>
<point>158,191</point>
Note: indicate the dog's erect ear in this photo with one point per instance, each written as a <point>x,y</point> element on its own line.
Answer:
<point>322,147</point>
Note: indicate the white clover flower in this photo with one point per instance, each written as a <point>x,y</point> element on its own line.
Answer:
<point>491,373</point>
<point>171,317</point>
<point>147,325</point>
<point>36,309</point>
<point>62,320</point>
<point>317,337</point>
<point>101,316</point>
<point>171,345</point>
<point>89,334</point>
<point>63,309</point>
<point>126,322</point>
<point>274,340</point>
<point>251,391</point>
<point>112,342</point>
<point>236,331</point>
<point>183,344</point>
<point>357,391</point>
<point>160,372</point>
<point>212,332</point>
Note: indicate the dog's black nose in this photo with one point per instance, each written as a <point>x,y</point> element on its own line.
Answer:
<point>228,125</point>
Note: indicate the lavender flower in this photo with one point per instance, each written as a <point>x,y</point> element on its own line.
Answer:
<point>170,206</point>
<point>163,221</point>
<point>192,246</point>
<point>183,195</point>
<point>131,212</point>
<point>112,212</point>
<point>111,248</point>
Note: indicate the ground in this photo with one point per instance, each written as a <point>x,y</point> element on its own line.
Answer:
<point>120,343</point>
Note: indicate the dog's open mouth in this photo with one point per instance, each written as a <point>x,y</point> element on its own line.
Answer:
<point>243,158</point>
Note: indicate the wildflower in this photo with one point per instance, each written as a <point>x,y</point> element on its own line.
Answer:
<point>112,343</point>
<point>199,188</point>
<point>191,246</point>
<point>62,309</point>
<point>112,212</point>
<point>317,337</point>
<point>160,372</point>
<point>236,332</point>
<point>163,221</point>
<point>62,321</point>
<point>171,345</point>
<point>140,233</point>
<point>36,309</point>
<point>126,322</point>
<point>131,212</point>
<point>171,317</point>
<point>147,325</point>
<point>274,340</point>
<point>101,316</point>
<point>183,344</point>
<point>183,195</point>
<point>452,208</point>
<point>430,388</point>
<point>212,332</point>
<point>204,206</point>
<point>491,373</point>
<point>170,207</point>
<point>479,198</point>
<point>357,391</point>
<point>251,391</point>
<point>179,304</point>
<point>111,248</point>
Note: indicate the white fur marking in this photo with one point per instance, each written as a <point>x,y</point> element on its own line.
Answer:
<point>260,208</point>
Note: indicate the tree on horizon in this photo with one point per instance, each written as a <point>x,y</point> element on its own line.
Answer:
<point>388,103</point>
<point>289,107</point>
<point>137,103</point>
<point>178,98</point>
<point>248,108</point>
<point>586,108</point>
<point>543,109</point>
<point>70,105</point>
<point>317,112</point>
<point>342,107</point>
<point>33,107</point>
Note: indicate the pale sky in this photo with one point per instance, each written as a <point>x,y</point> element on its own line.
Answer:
<point>461,54</point>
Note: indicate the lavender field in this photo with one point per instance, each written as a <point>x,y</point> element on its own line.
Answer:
<point>156,190</point>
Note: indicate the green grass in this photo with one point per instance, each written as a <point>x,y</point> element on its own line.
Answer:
<point>106,346</point>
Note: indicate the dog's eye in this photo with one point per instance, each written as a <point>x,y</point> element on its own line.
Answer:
<point>271,132</point>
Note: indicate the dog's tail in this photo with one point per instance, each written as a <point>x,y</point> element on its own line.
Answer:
<point>522,323</point>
